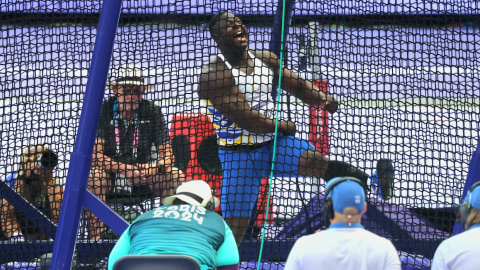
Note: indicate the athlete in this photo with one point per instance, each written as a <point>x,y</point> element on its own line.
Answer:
<point>236,86</point>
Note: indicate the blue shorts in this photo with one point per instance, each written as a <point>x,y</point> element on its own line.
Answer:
<point>244,171</point>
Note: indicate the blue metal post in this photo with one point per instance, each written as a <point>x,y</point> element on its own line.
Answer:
<point>81,158</point>
<point>28,210</point>
<point>472,177</point>
<point>277,25</point>
<point>275,42</point>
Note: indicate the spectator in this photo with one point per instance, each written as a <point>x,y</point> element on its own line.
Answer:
<point>132,158</point>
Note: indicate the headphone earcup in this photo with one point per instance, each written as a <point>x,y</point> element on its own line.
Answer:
<point>464,210</point>
<point>209,206</point>
<point>327,211</point>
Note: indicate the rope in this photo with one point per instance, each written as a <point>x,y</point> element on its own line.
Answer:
<point>277,109</point>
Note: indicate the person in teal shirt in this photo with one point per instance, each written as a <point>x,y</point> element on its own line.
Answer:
<point>185,225</point>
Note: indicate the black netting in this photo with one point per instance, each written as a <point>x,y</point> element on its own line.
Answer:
<point>404,74</point>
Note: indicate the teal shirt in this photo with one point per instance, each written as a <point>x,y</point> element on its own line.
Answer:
<point>179,230</point>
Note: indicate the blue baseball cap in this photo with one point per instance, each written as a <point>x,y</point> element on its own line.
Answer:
<point>348,193</point>
<point>474,197</point>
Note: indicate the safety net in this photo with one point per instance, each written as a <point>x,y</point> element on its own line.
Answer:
<point>182,104</point>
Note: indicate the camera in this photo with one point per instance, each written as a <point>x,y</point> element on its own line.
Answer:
<point>48,160</point>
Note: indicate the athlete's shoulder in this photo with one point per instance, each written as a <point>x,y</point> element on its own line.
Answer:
<point>215,76</point>
<point>215,64</point>
<point>262,54</point>
<point>268,58</point>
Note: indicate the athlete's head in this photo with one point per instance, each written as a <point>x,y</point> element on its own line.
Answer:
<point>129,87</point>
<point>194,192</point>
<point>228,31</point>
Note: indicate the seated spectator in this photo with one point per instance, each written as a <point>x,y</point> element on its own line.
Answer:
<point>345,244</point>
<point>185,225</point>
<point>34,181</point>
<point>132,158</point>
<point>462,251</point>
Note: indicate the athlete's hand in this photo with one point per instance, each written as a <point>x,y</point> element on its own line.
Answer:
<point>331,105</point>
<point>288,128</point>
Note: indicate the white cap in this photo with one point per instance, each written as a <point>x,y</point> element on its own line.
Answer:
<point>194,192</point>
<point>129,75</point>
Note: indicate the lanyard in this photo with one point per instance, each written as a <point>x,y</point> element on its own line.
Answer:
<point>117,116</point>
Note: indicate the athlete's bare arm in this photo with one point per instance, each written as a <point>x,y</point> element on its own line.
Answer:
<point>303,89</point>
<point>217,85</point>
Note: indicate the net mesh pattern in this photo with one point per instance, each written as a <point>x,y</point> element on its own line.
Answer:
<point>405,76</point>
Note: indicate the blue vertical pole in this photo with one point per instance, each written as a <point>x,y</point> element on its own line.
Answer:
<point>277,25</point>
<point>275,42</point>
<point>81,158</point>
<point>472,177</point>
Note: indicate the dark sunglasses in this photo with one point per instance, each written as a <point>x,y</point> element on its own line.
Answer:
<point>133,90</point>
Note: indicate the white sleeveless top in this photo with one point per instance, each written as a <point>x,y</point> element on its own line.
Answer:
<point>257,89</point>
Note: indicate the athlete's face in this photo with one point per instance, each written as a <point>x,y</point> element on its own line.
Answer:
<point>129,96</point>
<point>231,31</point>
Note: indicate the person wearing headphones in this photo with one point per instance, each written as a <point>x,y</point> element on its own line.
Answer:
<point>462,250</point>
<point>185,225</point>
<point>345,244</point>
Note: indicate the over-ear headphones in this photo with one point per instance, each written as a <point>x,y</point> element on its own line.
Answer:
<point>465,207</point>
<point>210,205</point>
<point>328,211</point>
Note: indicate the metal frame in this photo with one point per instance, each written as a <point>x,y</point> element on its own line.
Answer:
<point>76,193</point>
<point>28,210</point>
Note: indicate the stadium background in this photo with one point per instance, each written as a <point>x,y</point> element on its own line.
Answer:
<point>405,74</point>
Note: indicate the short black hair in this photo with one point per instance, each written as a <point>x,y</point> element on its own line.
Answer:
<point>214,20</point>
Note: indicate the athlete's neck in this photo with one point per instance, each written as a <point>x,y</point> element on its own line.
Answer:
<point>238,59</point>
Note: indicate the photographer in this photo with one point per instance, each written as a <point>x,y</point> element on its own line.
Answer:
<point>35,181</point>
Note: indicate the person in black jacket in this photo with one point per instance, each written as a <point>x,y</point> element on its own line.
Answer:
<point>132,158</point>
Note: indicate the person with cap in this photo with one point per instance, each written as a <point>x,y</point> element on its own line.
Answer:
<point>462,251</point>
<point>132,159</point>
<point>345,244</point>
<point>236,88</point>
<point>36,182</point>
<point>185,225</point>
